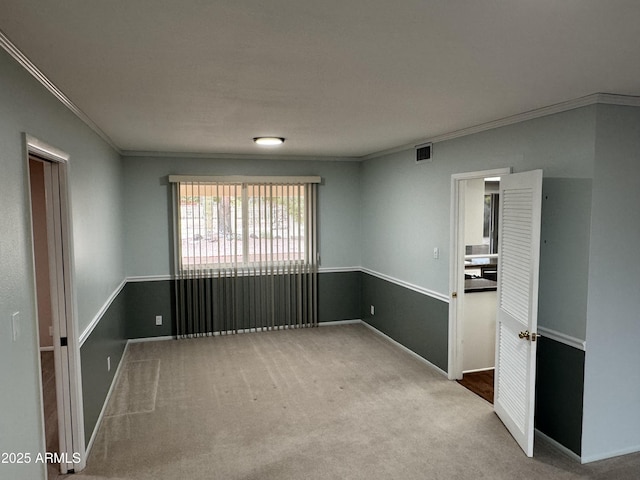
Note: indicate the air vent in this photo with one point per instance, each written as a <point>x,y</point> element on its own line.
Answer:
<point>423,153</point>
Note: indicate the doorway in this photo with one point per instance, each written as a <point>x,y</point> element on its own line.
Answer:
<point>52,253</point>
<point>517,293</point>
<point>480,284</point>
<point>472,310</point>
<point>43,301</point>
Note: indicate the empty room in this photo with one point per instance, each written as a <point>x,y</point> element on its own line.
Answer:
<point>294,239</point>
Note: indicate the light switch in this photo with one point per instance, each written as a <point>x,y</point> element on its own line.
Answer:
<point>158,319</point>
<point>15,325</point>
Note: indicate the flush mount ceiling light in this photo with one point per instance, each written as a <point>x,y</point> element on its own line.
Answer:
<point>269,141</point>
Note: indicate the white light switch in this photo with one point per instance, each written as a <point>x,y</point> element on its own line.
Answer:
<point>15,325</point>
<point>158,319</point>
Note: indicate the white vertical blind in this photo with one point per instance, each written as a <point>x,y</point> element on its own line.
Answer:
<point>246,255</point>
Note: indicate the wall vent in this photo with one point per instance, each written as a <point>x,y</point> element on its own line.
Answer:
<point>423,153</point>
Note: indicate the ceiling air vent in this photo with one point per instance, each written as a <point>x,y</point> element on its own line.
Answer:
<point>423,153</point>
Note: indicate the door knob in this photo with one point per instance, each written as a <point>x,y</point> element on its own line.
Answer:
<point>528,335</point>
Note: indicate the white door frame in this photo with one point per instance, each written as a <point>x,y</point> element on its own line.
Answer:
<point>67,357</point>
<point>456,265</point>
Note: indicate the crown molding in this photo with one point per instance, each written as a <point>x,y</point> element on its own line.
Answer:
<point>238,156</point>
<point>596,98</point>
<point>21,58</point>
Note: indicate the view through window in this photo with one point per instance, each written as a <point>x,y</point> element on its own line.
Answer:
<point>241,225</point>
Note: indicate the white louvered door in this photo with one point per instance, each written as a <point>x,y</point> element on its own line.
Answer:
<point>517,318</point>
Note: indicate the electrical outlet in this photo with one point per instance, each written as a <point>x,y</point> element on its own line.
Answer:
<point>436,253</point>
<point>158,319</point>
<point>108,364</point>
<point>373,310</point>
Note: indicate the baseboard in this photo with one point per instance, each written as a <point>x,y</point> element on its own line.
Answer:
<point>245,330</point>
<point>558,446</point>
<point>402,347</point>
<point>96,428</point>
<point>151,339</point>
<point>612,454</point>
<point>479,370</point>
<point>339,322</point>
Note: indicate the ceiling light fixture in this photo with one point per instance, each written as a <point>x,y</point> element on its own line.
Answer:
<point>269,141</point>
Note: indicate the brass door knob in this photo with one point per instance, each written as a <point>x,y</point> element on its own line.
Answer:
<point>528,335</point>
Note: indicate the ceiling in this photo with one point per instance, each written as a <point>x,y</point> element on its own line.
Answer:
<point>337,78</point>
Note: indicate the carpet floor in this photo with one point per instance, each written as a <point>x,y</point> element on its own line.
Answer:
<point>338,402</point>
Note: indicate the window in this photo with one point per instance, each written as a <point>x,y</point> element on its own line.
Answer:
<point>244,224</point>
<point>246,253</point>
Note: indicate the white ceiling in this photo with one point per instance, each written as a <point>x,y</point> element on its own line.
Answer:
<point>337,78</point>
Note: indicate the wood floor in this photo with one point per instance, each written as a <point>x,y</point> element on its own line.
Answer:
<point>50,408</point>
<point>480,383</point>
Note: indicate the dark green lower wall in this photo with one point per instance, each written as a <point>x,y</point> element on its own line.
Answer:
<point>559,393</point>
<point>338,299</point>
<point>417,321</point>
<point>108,339</point>
<point>339,296</point>
<point>145,300</point>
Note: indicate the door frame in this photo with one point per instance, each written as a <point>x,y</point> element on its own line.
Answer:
<point>66,358</point>
<point>456,263</point>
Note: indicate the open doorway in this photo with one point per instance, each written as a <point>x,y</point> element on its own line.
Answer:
<point>517,295</point>
<point>62,418</point>
<point>473,275</point>
<point>481,205</point>
<point>45,318</point>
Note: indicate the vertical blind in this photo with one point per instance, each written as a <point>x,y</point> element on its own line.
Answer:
<point>245,253</point>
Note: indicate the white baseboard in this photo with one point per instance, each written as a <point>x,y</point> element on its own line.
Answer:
<point>402,347</point>
<point>611,454</point>
<point>479,370</point>
<point>114,381</point>
<point>151,339</point>
<point>558,446</point>
<point>339,322</point>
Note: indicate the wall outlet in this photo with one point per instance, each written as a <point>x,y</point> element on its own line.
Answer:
<point>373,310</point>
<point>158,319</point>
<point>436,253</point>
<point>108,364</point>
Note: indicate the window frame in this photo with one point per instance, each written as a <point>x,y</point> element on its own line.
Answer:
<point>245,182</point>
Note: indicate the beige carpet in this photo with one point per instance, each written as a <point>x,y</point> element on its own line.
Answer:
<point>327,403</point>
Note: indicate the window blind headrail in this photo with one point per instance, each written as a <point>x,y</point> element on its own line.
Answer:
<point>235,179</point>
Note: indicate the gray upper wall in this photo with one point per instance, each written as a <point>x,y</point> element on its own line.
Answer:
<point>95,189</point>
<point>406,206</point>
<point>148,208</point>
<point>612,379</point>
